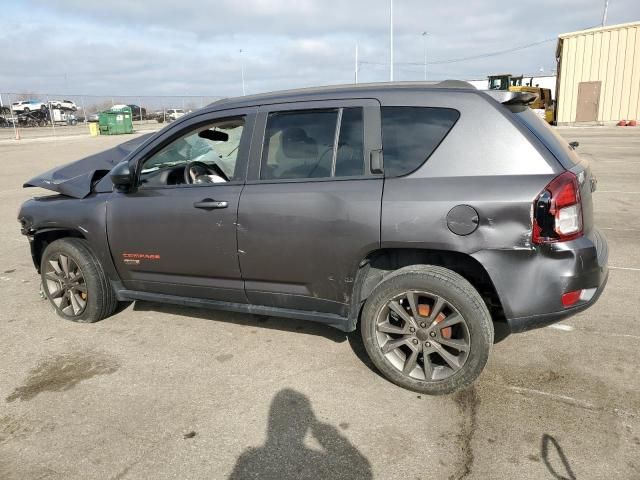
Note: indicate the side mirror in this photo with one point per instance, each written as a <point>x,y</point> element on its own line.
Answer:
<point>121,176</point>
<point>574,144</point>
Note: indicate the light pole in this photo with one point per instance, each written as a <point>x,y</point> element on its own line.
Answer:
<point>356,66</point>
<point>391,42</point>
<point>242,72</point>
<point>424,41</point>
<point>604,13</point>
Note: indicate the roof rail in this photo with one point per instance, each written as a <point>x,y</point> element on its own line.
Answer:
<point>511,98</point>
<point>454,84</point>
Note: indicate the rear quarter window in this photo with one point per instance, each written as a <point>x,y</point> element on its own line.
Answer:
<point>411,134</point>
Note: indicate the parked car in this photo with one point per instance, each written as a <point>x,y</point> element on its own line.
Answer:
<point>138,112</point>
<point>63,105</point>
<point>28,106</point>
<point>169,115</point>
<point>485,227</point>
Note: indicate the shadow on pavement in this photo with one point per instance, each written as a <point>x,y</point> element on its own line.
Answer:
<point>284,455</point>
<point>562,465</point>
<point>261,321</point>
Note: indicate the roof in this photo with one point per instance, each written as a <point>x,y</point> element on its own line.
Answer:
<point>320,93</point>
<point>599,29</point>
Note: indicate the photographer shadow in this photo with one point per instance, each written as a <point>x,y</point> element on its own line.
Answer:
<point>284,454</point>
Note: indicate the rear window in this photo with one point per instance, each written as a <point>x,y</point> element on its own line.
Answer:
<point>557,145</point>
<point>411,134</point>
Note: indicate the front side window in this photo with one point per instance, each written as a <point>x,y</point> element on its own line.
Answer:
<point>411,134</point>
<point>206,155</point>
<point>313,144</point>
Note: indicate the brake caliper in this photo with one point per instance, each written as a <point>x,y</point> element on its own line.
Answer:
<point>424,310</point>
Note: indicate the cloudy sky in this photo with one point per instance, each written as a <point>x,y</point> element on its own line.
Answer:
<point>192,47</point>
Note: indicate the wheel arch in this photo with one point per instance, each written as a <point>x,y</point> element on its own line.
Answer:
<point>43,237</point>
<point>378,264</point>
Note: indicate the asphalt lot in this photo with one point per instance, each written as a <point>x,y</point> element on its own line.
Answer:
<point>164,392</point>
<point>61,130</point>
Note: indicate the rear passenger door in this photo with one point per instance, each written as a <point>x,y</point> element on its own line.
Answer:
<point>310,210</point>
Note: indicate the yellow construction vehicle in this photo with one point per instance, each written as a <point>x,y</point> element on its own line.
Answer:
<point>543,105</point>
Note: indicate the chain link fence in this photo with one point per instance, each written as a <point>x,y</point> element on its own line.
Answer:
<point>32,114</point>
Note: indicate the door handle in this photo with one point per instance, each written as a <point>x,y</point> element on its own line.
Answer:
<point>375,161</point>
<point>209,204</point>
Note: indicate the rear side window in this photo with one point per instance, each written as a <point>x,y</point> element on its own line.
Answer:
<point>411,134</point>
<point>313,144</point>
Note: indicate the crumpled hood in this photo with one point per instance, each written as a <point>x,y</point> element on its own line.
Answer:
<point>76,179</point>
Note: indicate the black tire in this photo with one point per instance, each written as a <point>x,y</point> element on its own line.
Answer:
<point>99,298</point>
<point>459,298</point>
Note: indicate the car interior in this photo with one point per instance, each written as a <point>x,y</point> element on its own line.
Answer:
<point>205,156</point>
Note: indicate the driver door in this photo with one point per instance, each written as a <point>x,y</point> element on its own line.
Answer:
<point>177,238</point>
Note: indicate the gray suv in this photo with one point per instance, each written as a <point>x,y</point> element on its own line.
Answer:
<point>438,218</point>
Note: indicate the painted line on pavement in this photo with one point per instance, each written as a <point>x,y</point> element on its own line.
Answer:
<point>562,327</point>
<point>620,229</point>
<point>616,191</point>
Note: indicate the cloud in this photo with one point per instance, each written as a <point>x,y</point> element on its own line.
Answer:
<point>191,47</point>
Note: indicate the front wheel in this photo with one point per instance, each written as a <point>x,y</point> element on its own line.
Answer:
<point>74,281</point>
<point>427,329</point>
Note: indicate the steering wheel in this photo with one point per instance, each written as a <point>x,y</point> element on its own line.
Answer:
<point>195,169</point>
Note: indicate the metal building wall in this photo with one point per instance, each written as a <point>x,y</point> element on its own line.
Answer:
<point>610,55</point>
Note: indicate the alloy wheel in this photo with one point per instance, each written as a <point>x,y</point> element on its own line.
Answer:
<point>423,335</point>
<point>65,285</point>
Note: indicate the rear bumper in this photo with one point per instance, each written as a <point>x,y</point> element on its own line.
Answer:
<point>587,268</point>
<point>530,283</point>
<point>522,324</point>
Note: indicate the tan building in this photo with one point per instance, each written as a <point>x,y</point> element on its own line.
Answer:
<point>599,74</point>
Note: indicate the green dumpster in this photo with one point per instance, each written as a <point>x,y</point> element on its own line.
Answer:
<point>115,121</point>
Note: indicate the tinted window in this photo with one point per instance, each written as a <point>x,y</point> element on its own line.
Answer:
<point>411,134</point>
<point>299,144</point>
<point>350,154</point>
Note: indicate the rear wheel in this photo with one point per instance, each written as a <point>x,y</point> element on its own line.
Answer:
<point>75,283</point>
<point>427,329</point>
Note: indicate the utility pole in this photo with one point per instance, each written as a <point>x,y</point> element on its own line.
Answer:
<point>391,43</point>
<point>356,66</point>
<point>242,72</point>
<point>604,14</point>
<point>424,40</point>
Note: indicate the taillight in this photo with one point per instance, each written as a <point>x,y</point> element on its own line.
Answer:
<point>557,212</point>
